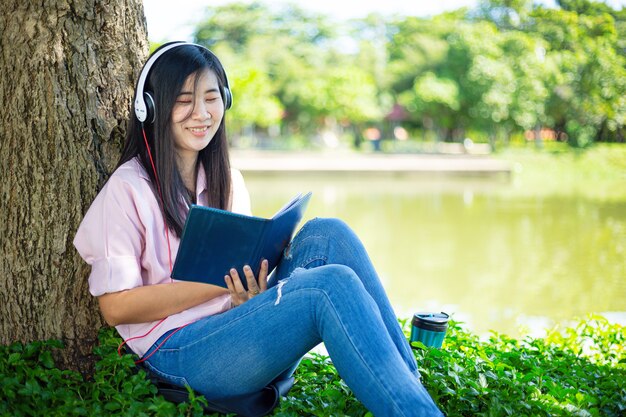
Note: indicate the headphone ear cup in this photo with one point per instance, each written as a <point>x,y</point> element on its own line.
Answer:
<point>150,107</point>
<point>228,98</point>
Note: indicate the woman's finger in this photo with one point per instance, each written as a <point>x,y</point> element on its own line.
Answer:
<point>239,289</point>
<point>234,297</point>
<point>253,286</point>
<point>263,275</point>
<point>229,284</point>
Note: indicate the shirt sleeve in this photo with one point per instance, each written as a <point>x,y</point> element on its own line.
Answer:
<point>241,197</point>
<point>110,239</point>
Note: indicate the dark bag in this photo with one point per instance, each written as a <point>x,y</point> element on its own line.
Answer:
<point>256,404</point>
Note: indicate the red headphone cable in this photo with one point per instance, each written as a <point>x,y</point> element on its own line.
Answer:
<point>169,253</point>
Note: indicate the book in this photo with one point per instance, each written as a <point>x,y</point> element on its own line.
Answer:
<point>214,241</point>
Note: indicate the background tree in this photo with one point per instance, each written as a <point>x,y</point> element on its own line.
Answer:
<point>67,70</point>
<point>587,70</point>
<point>255,103</point>
<point>298,67</point>
<point>490,73</point>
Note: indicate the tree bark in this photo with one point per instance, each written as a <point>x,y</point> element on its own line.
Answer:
<point>67,71</point>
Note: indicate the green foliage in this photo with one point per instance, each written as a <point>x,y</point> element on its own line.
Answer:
<point>501,69</point>
<point>319,391</point>
<point>600,169</point>
<point>575,371</point>
<point>430,91</point>
<point>255,102</point>
<point>32,386</point>
<point>587,71</point>
<point>284,68</point>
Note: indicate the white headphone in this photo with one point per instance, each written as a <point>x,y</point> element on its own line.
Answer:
<point>144,102</point>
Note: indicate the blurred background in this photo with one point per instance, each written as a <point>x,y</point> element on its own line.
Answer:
<point>477,147</point>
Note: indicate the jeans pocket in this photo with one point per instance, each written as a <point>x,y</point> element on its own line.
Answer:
<point>172,379</point>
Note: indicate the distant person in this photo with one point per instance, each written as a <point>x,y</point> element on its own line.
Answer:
<point>373,135</point>
<point>225,342</point>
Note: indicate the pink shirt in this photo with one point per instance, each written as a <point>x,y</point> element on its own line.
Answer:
<point>123,239</point>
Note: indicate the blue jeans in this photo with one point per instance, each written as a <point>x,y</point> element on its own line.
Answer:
<point>325,289</point>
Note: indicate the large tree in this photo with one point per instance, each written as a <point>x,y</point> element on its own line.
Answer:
<point>67,69</point>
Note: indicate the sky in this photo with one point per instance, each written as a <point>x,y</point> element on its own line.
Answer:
<point>175,20</point>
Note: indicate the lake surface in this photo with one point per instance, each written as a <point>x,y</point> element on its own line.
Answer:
<point>496,254</point>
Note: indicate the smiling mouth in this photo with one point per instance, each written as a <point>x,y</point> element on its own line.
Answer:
<point>199,129</point>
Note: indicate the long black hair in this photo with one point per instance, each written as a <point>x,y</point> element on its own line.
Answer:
<point>165,81</point>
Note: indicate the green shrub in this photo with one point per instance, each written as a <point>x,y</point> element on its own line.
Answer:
<point>576,371</point>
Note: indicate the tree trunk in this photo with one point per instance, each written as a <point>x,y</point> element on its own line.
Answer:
<point>67,69</point>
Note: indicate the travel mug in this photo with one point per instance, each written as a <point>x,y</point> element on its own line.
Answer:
<point>429,328</point>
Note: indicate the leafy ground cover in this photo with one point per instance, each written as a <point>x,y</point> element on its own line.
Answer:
<point>574,371</point>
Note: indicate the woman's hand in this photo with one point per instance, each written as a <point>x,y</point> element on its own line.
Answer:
<point>238,293</point>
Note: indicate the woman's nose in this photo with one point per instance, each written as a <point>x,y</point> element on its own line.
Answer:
<point>200,111</point>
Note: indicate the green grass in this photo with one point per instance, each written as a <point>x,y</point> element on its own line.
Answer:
<point>597,172</point>
<point>575,371</point>
<point>557,160</point>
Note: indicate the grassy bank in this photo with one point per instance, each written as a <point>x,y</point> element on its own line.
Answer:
<point>597,172</point>
<point>575,371</point>
<point>597,162</point>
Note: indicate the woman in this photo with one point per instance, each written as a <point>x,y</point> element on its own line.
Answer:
<point>325,288</point>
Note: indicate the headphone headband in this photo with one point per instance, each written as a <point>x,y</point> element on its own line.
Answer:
<point>141,108</point>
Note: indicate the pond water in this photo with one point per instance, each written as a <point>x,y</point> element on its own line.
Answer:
<point>497,255</point>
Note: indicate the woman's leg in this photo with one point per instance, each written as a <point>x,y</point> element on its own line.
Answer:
<point>243,349</point>
<point>331,241</point>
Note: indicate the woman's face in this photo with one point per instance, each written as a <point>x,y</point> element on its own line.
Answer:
<point>197,114</point>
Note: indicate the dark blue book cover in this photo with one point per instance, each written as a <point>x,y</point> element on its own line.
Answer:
<point>214,241</point>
